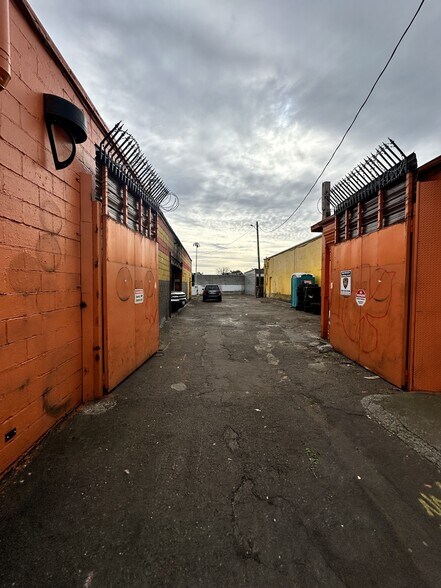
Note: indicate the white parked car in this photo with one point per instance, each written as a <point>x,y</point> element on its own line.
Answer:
<point>178,298</point>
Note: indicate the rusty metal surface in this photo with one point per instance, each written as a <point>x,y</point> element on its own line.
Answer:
<point>372,334</point>
<point>131,326</point>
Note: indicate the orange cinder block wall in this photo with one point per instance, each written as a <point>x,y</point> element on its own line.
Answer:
<point>40,289</point>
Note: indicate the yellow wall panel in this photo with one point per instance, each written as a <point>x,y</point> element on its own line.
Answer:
<point>186,278</point>
<point>163,267</point>
<point>305,258</point>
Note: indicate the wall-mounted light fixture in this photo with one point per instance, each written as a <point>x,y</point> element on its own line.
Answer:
<point>66,126</point>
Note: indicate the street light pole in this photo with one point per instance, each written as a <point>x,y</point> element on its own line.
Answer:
<point>258,288</point>
<point>197,245</point>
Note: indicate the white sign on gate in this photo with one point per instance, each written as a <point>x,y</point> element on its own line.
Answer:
<point>345,282</point>
<point>139,295</point>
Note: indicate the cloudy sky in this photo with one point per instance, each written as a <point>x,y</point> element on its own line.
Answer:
<point>238,104</point>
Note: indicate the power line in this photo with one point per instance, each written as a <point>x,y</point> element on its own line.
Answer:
<point>352,123</point>
<point>235,240</point>
<point>246,233</point>
<point>220,248</point>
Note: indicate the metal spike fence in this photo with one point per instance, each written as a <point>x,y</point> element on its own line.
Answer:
<point>121,153</point>
<point>379,170</point>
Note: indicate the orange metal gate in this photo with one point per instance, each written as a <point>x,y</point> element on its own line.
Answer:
<point>425,365</point>
<point>130,296</point>
<point>371,327</point>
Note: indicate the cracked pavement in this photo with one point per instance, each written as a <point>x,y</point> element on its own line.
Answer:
<point>240,455</point>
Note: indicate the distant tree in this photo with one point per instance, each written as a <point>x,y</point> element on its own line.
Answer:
<point>236,272</point>
<point>223,271</point>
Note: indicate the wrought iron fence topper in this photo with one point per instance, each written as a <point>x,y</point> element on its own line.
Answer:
<point>380,170</point>
<point>121,154</point>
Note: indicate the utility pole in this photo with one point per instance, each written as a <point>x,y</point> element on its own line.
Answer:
<point>326,206</point>
<point>197,245</point>
<point>259,287</point>
<point>259,291</point>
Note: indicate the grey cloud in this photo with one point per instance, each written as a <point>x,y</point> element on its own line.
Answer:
<point>238,105</point>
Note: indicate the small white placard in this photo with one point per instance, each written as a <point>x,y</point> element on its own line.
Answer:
<point>345,282</point>
<point>139,295</point>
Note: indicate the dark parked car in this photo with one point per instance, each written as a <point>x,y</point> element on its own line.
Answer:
<point>212,292</point>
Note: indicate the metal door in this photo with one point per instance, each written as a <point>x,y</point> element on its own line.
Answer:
<point>369,323</point>
<point>130,309</point>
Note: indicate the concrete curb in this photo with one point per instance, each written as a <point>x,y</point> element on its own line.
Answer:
<point>393,424</point>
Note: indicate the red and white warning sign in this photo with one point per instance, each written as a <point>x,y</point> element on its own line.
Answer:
<point>360,297</point>
<point>139,295</point>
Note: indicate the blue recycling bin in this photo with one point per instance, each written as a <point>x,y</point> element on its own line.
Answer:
<point>299,279</point>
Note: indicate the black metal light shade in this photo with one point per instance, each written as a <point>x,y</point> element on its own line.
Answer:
<point>59,112</point>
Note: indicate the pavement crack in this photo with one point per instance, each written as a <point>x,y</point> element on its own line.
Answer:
<point>243,520</point>
<point>245,543</point>
<point>344,411</point>
<point>231,438</point>
<point>393,424</point>
<point>228,350</point>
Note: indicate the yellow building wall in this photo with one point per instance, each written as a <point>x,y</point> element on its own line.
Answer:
<point>163,267</point>
<point>186,278</point>
<point>167,244</point>
<point>305,258</point>
<point>165,238</point>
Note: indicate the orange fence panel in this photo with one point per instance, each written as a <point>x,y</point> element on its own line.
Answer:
<point>425,372</point>
<point>131,323</point>
<point>368,321</point>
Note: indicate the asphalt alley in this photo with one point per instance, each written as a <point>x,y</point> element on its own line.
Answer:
<point>240,455</point>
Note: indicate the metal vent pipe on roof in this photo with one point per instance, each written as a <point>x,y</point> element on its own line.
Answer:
<point>5,45</point>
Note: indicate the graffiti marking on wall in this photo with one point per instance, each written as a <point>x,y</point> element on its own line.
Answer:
<point>24,268</point>
<point>24,275</point>
<point>151,307</point>
<point>362,329</point>
<point>149,284</point>
<point>124,284</point>
<point>52,408</point>
<point>48,246</point>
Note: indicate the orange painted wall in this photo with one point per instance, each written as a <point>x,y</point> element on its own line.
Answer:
<point>373,335</point>
<point>51,258</point>
<point>131,330</point>
<point>40,294</point>
<point>424,356</point>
